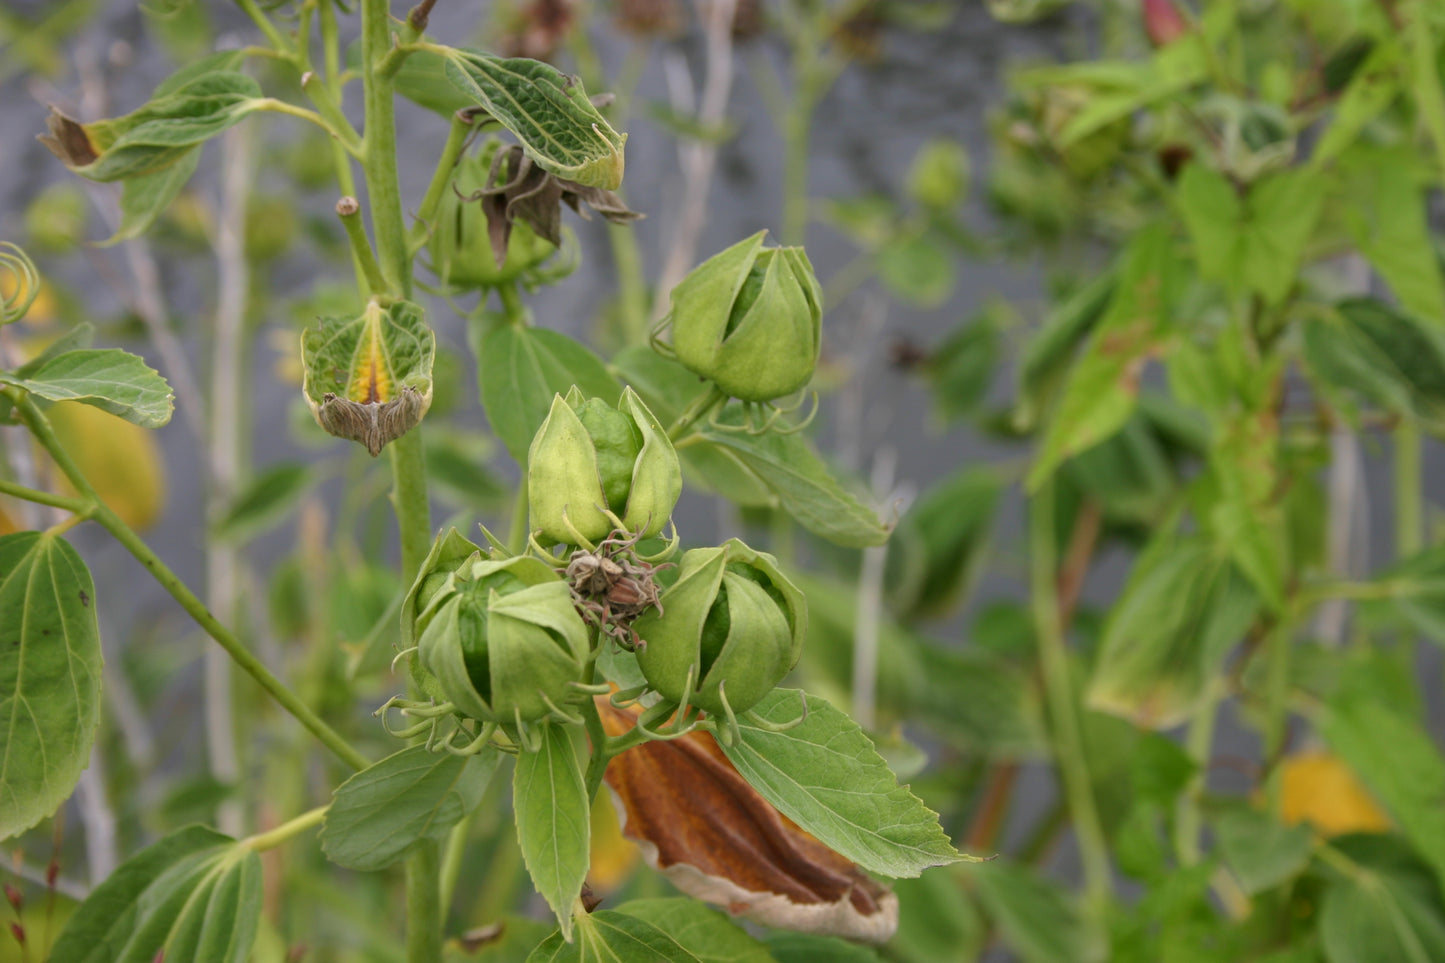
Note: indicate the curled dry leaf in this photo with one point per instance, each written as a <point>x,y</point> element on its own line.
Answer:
<point>700,823</point>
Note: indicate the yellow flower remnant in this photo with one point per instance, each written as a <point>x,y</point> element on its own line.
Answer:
<point>1320,789</point>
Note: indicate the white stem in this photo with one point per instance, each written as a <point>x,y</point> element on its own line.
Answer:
<point>698,158</point>
<point>223,564</point>
<point>98,819</point>
<point>869,614</point>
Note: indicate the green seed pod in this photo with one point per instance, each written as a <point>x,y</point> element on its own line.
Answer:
<point>732,616</point>
<point>750,320</point>
<point>449,552</point>
<point>592,465</point>
<point>461,249</point>
<point>503,640</point>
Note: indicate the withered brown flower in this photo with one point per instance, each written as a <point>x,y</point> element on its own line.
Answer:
<point>698,821</point>
<point>517,189</point>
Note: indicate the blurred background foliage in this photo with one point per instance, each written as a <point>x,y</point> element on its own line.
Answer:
<point>1148,305</point>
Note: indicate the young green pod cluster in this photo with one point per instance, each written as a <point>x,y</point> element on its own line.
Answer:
<point>750,320</point>
<point>593,468</point>
<point>464,252</point>
<point>503,640</point>
<point>732,621</point>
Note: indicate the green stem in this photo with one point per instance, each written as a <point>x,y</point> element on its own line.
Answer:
<point>278,40</point>
<point>409,501</point>
<point>272,838</point>
<point>451,869</point>
<point>1188,818</point>
<point>40,427</point>
<point>517,530</point>
<point>1063,710</point>
<point>441,182</point>
<point>631,283</point>
<point>379,154</point>
<point>80,506</point>
<point>423,904</point>
<point>349,210</point>
<point>701,406</point>
<point>512,307</point>
<point>274,106</point>
<point>1409,500</point>
<point>1276,714</point>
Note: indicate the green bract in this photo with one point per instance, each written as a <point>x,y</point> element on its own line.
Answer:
<point>733,620</point>
<point>462,251</point>
<point>503,640</point>
<point>750,320</point>
<point>593,468</point>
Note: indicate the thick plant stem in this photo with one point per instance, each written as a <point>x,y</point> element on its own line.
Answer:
<point>441,181</point>
<point>424,910</point>
<point>40,427</point>
<point>379,157</point>
<point>1188,817</point>
<point>1063,710</point>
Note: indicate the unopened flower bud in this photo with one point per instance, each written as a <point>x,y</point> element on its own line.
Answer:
<point>592,465</point>
<point>1163,22</point>
<point>504,641</point>
<point>732,621</point>
<point>750,320</point>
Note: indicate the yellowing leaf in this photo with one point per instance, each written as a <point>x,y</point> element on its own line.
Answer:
<point>122,460</point>
<point>1320,789</point>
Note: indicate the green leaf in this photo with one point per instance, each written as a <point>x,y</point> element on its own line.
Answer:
<point>79,336</point>
<point>805,487</point>
<point>825,775</point>
<point>381,813</point>
<point>168,127</point>
<point>195,895</point>
<point>1255,242</point>
<point>1398,761</point>
<point>667,387</point>
<point>936,920</point>
<point>106,378</point>
<point>811,948</point>
<point>706,932</point>
<point>521,369</point>
<point>547,111</point>
<point>553,821</point>
<point>1260,850</point>
<point>1049,354</point>
<point>917,269</point>
<point>1246,518</point>
<point>145,197</point>
<point>1373,88</point>
<point>1384,907</point>
<point>961,370</point>
<point>1385,210</point>
<point>940,542</point>
<point>1390,357</point>
<point>265,500</point>
<point>608,936</point>
<point>1035,916</point>
<point>1416,591</point>
<point>1181,612</point>
<point>1103,386</point>
<point>423,80</point>
<point>49,676</point>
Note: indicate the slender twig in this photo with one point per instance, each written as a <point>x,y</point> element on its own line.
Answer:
<point>44,433</point>
<point>698,158</point>
<point>1063,709</point>
<point>868,615</point>
<point>274,837</point>
<point>348,209</point>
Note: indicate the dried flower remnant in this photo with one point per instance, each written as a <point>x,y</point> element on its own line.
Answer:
<point>518,190</point>
<point>539,29</point>
<point>699,823</point>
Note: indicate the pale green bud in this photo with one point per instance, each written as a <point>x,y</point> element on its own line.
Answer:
<point>750,320</point>
<point>592,465</point>
<point>732,620</point>
<point>504,641</point>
